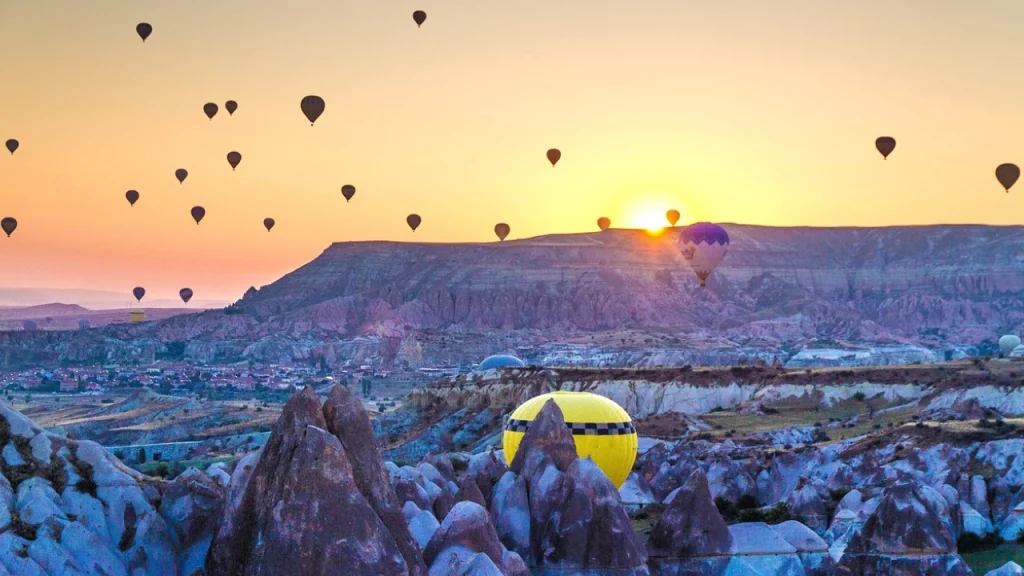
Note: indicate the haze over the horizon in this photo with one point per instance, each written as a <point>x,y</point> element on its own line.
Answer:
<point>734,111</point>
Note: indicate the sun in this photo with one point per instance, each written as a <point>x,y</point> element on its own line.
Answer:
<point>651,217</point>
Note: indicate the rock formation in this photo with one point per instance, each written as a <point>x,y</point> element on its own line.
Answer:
<point>303,507</point>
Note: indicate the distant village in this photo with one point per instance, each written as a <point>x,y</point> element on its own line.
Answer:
<point>171,377</point>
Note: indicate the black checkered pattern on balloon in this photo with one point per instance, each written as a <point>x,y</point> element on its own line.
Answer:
<point>581,428</point>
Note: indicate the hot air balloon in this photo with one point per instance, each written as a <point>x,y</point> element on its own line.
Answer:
<point>419,17</point>
<point>312,107</point>
<point>132,196</point>
<point>1008,343</point>
<point>234,158</point>
<point>210,109</point>
<point>554,155</point>
<point>703,246</point>
<point>144,30</point>
<point>197,213</point>
<point>12,145</point>
<point>600,428</point>
<point>414,221</point>
<point>83,323</point>
<point>348,191</point>
<point>231,106</point>
<point>29,325</point>
<point>672,216</point>
<point>885,145</point>
<point>186,294</point>
<point>268,223</point>
<point>181,174</point>
<point>604,223</point>
<point>1007,175</point>
<point>502,230</point>
<point>138,292</point>
<point>8,225</point>
<point>137,316</point>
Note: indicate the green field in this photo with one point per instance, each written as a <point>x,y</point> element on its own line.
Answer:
<point>985,561</point>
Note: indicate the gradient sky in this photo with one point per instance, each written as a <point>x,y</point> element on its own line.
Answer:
<point>733,111</point>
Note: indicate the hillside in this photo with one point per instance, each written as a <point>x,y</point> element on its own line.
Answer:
<point>778,291</point>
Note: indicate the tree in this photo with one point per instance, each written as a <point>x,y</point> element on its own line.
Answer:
<point>142,456</point>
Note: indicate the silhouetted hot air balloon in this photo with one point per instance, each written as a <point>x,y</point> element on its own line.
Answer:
<point>672,216</point>
<point>268,223</point>
<point>234,158</point>
<point>604,223</point>
<point>186,294</point>
<point>8,225</point>
<point>348,191</point>
<point>12,145</point>
<point>419,17</point>
<point>144,30</point>
<point>312,107</point>
<point>138,292</point>
<point>703,246</point>
<point>197,213</point>
<point>132,196</point>
<point>554,155</point>
<point>29,325</point>
<point>231,106</point>
<point>1007,175</point>
<point>83,323</point>
<point>414,221</point>
<point>210,109</point>
<point>502,230</point>
<point>181,174</point>
<point>885,145</point>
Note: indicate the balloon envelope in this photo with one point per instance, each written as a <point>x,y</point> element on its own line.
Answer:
<point>138,292</point>
<point>132,197</point>
<point>186,294</point>
<point>703,246</point>
<point>672,216</point>
<point>601,430</point>
<point>419,17</point>
<point>312,107</point>
<point>181,174</point>
<point>231,106</point>
<point>8,225</point>
<point>1008,343</point>
<point>348,191</point>
<point>885,145</point>
<point>144,30</point>
<point>554,155</point>
<point>197,213</point>
<point>28,324</point>
<point>268,223</point>
<point>502,230</point>
<point>12,145</point>
<point>234,158</point>
<point>414,221</point>
<point>1007,175</point>
<point>210,109</point>
<point>604,223</point>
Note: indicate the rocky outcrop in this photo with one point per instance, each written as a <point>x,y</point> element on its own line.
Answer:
<point>905,536</point>
<point>576,521</point>
<point>467,532</point>
<point>69,507</point>
<point>302,506</point>
<point>691,537</point>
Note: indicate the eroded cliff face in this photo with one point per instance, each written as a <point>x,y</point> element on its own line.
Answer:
<point>779,288</point>
<point>956,282</point>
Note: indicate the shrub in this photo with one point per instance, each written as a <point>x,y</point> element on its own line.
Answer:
<point>859,396</point>
<point>107,401</point>
<point>970,542</point>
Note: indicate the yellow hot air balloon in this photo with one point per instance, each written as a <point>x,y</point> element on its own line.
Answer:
<point>136,316</point>
<point>601,429</point>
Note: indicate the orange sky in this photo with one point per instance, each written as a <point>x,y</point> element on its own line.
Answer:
<point>735,111</point>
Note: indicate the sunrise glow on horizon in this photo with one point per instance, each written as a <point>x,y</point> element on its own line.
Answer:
<point>765,118</point>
